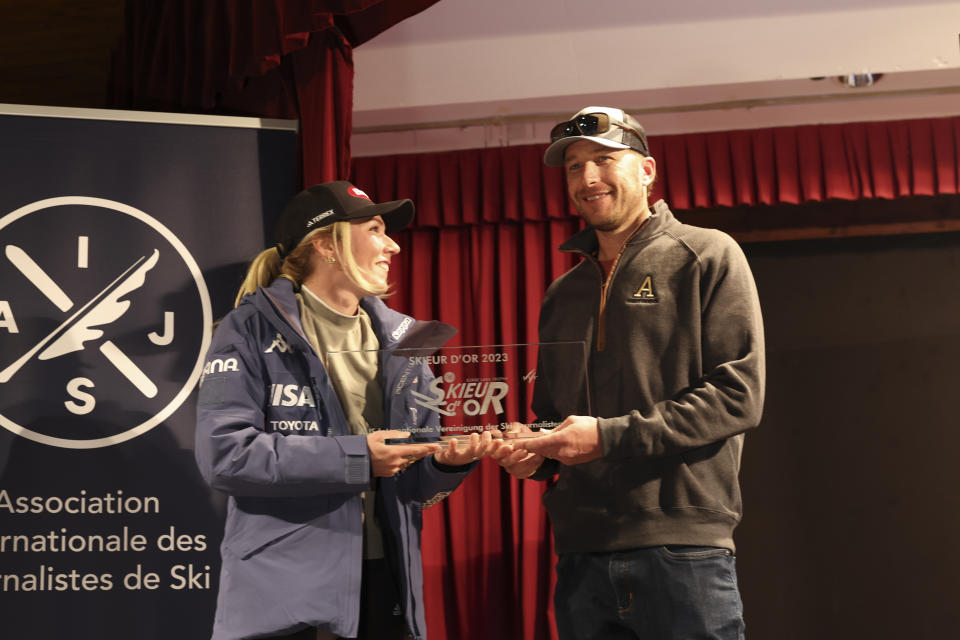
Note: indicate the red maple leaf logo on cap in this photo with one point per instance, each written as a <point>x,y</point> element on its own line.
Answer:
<point>357,193</point>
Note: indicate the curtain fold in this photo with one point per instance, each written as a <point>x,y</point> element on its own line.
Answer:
<point>290,59</point>
<point>811,163</point>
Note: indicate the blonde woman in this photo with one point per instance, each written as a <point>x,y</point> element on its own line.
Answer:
<point>322,536</point>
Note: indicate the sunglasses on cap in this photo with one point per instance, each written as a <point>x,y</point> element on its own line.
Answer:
<point>588,124</point>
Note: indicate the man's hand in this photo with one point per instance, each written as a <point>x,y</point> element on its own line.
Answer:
<point>574,441</point>
<point>459,452</point>
<point>519,464</point>
<point>389,459</point>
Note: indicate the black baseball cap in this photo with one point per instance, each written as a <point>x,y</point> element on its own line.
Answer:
<point>324,204</point>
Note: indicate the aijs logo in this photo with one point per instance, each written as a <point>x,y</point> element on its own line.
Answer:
<point>104,322</point>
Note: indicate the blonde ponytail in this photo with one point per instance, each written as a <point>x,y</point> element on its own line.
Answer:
<point>264,269</point>
<point>268,266</point>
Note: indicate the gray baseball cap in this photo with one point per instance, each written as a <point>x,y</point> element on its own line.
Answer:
<point>608,126</point>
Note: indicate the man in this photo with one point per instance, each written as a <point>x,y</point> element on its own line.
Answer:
<point>648,446</point>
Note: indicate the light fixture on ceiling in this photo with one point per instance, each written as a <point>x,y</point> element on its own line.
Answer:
<point>859,80</point>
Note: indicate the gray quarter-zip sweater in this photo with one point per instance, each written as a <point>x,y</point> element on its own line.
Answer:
<point>674,344</point>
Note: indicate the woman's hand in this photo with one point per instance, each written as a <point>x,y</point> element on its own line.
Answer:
<point>390,459</point>
<point>459,452</point>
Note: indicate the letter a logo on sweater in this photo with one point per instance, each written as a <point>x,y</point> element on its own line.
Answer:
<point>646,291</point>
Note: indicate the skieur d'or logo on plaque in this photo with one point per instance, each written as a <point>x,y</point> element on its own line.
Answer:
<point>471,389</point>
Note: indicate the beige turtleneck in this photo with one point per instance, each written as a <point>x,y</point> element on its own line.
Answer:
<point>350,351</point>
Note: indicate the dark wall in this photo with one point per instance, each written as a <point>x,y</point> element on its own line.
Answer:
<point>851,483</point>
<point>57,52</point>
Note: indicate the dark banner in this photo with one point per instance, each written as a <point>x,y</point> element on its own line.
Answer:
<point>121,242</point>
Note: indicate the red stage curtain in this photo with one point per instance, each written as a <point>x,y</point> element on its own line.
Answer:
<point>813,163</point>
<point>288,59</point>
<point>482,251</point>
<point>785,165</point>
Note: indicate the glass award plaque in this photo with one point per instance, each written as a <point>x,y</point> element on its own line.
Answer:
<point>453,392</point>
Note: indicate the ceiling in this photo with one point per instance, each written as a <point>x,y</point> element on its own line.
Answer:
<point>468,74</point>
<point>474,73</point>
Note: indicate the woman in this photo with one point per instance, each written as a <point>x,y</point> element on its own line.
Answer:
<point>322,536</point>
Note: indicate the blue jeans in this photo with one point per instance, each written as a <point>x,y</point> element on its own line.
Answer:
<point>655,593</point>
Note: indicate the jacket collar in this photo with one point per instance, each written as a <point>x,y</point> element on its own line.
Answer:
<point>585,241</point>
<point>278,301</point>
<point>389,325</point>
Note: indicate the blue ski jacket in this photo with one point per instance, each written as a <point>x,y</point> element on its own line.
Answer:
<point>272,435</point>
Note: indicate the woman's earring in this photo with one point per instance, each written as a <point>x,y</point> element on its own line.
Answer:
<point>330,259</point>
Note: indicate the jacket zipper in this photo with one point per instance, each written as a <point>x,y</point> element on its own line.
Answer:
<point>289,321</point>
<point>314,383</point>
<point>601,324</point>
